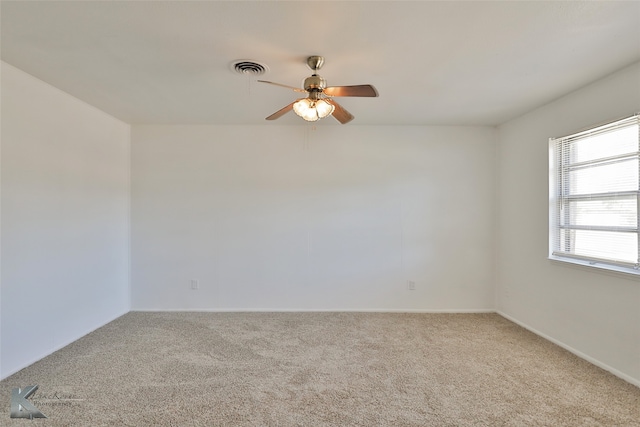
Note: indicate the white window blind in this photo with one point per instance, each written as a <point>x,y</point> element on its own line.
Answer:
<point>595,195</point>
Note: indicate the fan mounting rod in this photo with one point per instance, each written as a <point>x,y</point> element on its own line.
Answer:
<point>315,62</point>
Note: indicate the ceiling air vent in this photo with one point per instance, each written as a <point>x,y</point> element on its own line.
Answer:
<point>250,68</point>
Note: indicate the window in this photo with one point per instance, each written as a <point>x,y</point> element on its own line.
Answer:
<point>595,196</point>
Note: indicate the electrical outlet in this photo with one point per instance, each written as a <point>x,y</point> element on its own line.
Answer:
<point>411,285</point>
<point>195,284</point>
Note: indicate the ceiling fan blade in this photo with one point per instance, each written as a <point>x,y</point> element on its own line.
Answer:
<point>357,90</point>
<point>281,112</point>
<point>339,113</point>
<point>285,86</point>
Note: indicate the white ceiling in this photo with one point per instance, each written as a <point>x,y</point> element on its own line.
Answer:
<point>433,63</point>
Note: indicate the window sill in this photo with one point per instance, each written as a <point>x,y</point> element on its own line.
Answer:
<point>622,272</point>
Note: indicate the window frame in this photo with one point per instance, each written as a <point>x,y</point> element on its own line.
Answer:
<point>560,196</point>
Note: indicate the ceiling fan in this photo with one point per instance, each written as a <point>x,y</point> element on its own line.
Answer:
<point>319,102</point>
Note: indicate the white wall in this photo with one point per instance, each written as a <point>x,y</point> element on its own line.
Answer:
<point>594,314</point>
<point>293,217</point>
<point>65,226</point>
<point>302,218</point>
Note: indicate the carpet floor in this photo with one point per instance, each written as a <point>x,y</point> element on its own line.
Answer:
<point>319,369</point>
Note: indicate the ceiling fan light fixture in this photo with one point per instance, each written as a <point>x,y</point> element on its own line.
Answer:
<point>323,108</point>
<point>302,108</point>
<point>320,101</point>
<point>312,110</point>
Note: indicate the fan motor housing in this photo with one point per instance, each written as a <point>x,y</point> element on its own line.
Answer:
<point>314,82</point>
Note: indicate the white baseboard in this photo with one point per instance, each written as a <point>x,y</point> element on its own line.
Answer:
<point>58,347</point>
<point>328,310</point>
<point>578,353</point>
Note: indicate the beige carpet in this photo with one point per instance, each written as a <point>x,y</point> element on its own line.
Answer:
<point>319,369</point>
